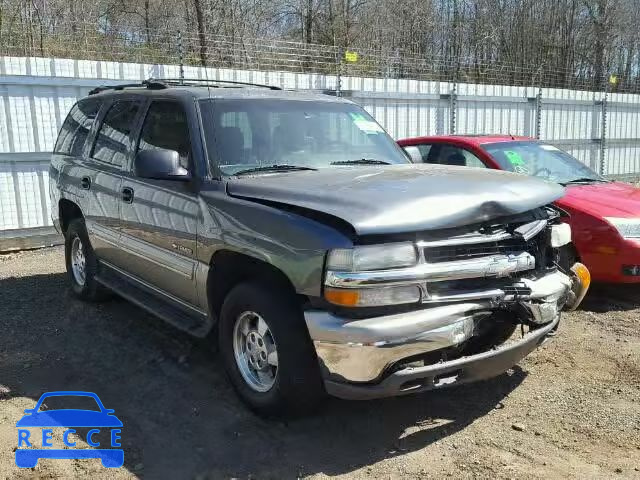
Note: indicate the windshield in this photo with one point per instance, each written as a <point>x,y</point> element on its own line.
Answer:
<point>541,160</point>
<point>250,134</point>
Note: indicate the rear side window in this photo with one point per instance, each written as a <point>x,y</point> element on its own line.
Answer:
<point>452,155</point>
<point>76,127</point>
<point>418,153</point>
<point>114,137</point>
<point>165,127</point>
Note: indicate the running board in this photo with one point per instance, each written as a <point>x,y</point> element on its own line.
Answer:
<point>173,311</point>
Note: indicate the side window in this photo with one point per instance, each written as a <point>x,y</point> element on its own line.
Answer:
<point>76,127</point>
<point>418,153</point>
<point>451,155</point>
<point>113,139</point>
<point>165,127</point>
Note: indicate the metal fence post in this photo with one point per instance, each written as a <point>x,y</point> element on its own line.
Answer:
<point>453,106</point>
<point>181,57</point>
<point>538,122</point>
<point>339,72</point>
<point>603,131</point>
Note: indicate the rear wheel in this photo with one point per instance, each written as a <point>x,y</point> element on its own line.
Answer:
<point>267,353</point>
<point>82,264</point>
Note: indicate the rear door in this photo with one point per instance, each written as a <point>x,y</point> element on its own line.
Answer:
<point>107,157</point>
<point>160,217</point>
<point>70,163</point>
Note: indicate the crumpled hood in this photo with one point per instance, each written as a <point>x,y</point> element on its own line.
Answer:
<point>401,198</point>
<point>614,199</point>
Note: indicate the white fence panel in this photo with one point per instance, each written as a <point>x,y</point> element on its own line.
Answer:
<point>37,93</point>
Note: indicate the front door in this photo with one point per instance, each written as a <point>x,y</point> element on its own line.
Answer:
<point>159,218</point>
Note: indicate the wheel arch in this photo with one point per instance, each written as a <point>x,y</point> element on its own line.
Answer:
<point>68,211</point>
<point>228,268</point>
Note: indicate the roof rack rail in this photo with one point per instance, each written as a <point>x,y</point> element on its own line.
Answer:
<point>193,82</point>
<point>151,84</point>
<point>161,83</point>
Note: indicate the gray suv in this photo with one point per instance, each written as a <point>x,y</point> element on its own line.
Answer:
<point>293,231</point>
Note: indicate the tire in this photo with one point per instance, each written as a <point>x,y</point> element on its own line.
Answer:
<point>297,386</point>
<point>89,289</point>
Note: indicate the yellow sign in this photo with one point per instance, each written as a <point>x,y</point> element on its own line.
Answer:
<point>613,79</point>
<point>351,57</point>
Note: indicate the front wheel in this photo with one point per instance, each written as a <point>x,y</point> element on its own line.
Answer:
<point>267,352</point>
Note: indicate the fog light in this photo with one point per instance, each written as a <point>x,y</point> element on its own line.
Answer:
<point>458,332</point>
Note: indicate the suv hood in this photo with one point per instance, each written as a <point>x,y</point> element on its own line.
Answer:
<point>401,198</point>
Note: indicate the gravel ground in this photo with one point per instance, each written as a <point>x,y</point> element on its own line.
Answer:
<point>570,410</point>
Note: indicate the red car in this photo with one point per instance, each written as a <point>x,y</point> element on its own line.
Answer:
<point>604,215</point>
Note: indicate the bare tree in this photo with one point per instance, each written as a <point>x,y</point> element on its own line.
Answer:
<point>568,42</point>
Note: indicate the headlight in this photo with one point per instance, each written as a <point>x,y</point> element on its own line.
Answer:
<point>560,235</point>
<point>369,258</point>
<point>372,257</point>
<point>627,227</point>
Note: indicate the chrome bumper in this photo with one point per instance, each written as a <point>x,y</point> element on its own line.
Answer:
<point>462,370</point>
<point>352,351</point>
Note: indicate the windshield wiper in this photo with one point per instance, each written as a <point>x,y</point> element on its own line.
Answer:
<point>584,180</point>
<point>274,168</point>
<point>361,161</point>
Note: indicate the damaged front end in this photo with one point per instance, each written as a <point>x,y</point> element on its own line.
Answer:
<point>444,307</point>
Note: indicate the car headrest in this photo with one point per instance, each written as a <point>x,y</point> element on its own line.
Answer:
<point>456,159</point>
<point>231,144</point>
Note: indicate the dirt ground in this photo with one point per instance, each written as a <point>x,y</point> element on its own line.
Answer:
<point>570,410</point>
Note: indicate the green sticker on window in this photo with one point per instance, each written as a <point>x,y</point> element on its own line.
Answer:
<point>514,158</point>
<point>364,124</point>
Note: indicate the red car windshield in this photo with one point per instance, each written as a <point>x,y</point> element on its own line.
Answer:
<point>541,160</point>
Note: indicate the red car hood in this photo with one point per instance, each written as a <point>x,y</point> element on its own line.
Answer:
<point>603,199</point>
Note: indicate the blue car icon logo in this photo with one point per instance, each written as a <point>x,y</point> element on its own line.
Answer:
<point>68,419</point>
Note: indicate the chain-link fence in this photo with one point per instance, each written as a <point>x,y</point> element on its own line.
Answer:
<point>42,75</point>
<point>124,43</point>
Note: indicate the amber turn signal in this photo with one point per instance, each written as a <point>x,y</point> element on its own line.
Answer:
<point>581,282</point>
<point>583,274</point>
<point>342,297</point>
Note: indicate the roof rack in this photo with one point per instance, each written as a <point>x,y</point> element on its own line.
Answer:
<point>161,83</point>
<point>150,84</point>
<point>195,82</point>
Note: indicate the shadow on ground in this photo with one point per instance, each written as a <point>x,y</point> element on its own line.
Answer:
<point>611,298</point>
<point>181,419</point>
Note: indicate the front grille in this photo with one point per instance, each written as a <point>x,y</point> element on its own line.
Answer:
<point>465,252</point>
<point>451,287</point>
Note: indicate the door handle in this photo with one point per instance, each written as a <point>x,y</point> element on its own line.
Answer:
<point>85,183</point>
<point>127,195</point>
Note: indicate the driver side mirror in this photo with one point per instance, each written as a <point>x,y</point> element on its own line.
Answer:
<point>159,164</point>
